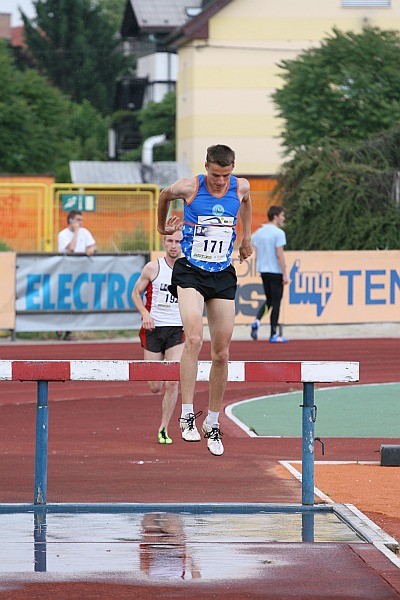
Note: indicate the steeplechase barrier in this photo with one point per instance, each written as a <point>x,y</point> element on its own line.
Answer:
<point>306,372</point>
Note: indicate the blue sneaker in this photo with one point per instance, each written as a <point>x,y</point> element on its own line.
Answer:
<point>254,331</point>
<point>277,339</point>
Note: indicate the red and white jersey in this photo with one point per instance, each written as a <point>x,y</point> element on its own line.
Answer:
<point>161,304</point>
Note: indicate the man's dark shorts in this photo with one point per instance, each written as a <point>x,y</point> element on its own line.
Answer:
<point>221,284</point>
<point>161,338</point>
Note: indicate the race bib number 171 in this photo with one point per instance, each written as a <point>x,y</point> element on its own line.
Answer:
<point>211,240</point>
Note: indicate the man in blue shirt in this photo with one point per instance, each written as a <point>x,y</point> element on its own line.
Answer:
<point>269,241</point>
<point>205,277</point>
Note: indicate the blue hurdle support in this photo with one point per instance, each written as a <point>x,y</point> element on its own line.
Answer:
<point>41,451</point>
<point>42,437</point>
<point>307,372</point>
<point>307,469</point>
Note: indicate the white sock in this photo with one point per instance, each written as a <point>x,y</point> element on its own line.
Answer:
<point>212,418</point>
<point>186,409</point>
<point>257,322</point>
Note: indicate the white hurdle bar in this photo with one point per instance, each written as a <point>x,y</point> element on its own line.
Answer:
<point>306,372</point>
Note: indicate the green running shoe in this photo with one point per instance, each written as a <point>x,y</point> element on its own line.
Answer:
<point>163,437</point>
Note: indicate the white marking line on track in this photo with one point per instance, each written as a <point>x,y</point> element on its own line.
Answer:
<point>297,474</point>
<point>377,536</point>
<point>252,433</point>
<point>339,462</point>
<point>388,553</point>
<point>382,546</point>
<point>239,423</point>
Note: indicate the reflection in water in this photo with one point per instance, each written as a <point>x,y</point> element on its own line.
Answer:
<point>39,536</point>
<point>174,546</point>
<point>307,527</point>
<point>163,549</point>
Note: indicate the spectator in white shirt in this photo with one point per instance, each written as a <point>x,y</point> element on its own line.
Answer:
<point>75,239</point>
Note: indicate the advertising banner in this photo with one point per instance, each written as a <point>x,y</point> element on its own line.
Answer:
<point>94,293</point>
<point>7,290</point>
<point>328,288</point>
<point>79,292</point>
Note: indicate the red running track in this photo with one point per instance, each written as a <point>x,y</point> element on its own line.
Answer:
<point>102,448</point>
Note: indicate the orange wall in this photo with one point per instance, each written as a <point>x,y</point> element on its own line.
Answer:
<point>47,179</point>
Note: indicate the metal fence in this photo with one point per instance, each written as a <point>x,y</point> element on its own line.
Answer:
<point>122,218</point>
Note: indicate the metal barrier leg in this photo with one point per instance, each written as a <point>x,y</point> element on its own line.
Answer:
<point>42,434</point>
<point>307,527</point>
<point>307,496</point>
<point>39,536</point>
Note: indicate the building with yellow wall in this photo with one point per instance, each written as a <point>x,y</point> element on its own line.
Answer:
<point>228,59</point>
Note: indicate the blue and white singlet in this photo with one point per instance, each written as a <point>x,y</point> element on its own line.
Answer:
<point>209,226</point>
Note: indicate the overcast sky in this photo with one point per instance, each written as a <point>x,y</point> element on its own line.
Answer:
<point>11,6</point>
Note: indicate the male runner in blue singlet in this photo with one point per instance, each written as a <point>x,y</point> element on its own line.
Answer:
<point>205,276</point>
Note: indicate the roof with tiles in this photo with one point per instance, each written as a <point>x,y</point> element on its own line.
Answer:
<point>156,15</point>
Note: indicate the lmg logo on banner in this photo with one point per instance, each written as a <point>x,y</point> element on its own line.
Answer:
<point>310,287</point>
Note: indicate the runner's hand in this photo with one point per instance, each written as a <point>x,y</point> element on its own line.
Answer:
<point>245,250</point>
<point>171,225</point>
<point>148,322</point>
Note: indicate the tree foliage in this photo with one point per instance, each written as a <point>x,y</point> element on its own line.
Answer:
<point>74,45</point>
<point>40,128</point>
<point>346,89</point>
<point>113,10</point>
<point>343,197</point>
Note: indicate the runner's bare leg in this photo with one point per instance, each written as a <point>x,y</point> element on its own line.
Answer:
<point>191,306</point>
<point>171,388</point>
<point>221,321</point>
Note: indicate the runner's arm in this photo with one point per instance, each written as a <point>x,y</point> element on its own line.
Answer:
<point>245,248</point>
<point>147,275</point>
<point>184,189</point>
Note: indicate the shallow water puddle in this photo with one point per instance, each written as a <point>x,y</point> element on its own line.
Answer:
<point>157,545</point>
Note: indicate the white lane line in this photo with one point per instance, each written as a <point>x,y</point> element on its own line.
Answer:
<point>298,476</point>
<point>383,541</point>
<point>340,462</point>
<point>250,431</point>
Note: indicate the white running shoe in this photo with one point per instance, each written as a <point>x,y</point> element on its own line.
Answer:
<point>213,435</point>
<point>188,427</point>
